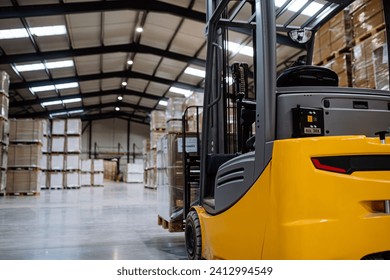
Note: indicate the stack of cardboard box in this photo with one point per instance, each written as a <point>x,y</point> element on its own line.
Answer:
<point>370,58</point>
<point>332,47</point>
<point>4,130</point>
<point>24,157</point>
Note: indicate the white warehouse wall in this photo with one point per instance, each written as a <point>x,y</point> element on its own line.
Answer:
<point>108,133</point>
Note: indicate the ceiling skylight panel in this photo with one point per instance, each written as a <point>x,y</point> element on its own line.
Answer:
<point>312,9</point>
<point>36,31</point>
<point>41,66</point>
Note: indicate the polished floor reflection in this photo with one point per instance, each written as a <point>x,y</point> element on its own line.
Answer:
<point>115,222</point>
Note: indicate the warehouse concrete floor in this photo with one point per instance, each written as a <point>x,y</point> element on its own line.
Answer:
<point>115,222</point>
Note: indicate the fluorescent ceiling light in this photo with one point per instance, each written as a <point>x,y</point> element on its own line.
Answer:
<point>58,114</point>
<point>185,92</point>
<point>57,102</point>
<point>42,88</point>
<point>195,72</point>
<point>50,103</point>
<point>72,100</point>
<point>36,31</point>
<point>76,111</point>
<point>237,48</point>
<point>67,85</point>
<point>41,66</point>
<point>52,87</point>
<point>163,103</point>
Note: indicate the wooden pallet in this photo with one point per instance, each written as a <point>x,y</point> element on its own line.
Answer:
<point>369,34</point>
<point>23,193</point>
<point>173,226</point>
<point>334,55</point>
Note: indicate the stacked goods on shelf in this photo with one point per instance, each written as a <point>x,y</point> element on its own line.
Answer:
<point>170,189</point>
<point>86,172</point>
<point>65,154</point>
<point>145,157</point>
<point>157,130</point>
<point>45,155</point>
<point>97,173</point>
<point>110,170</point>
<point>24,156</point>
<point>4,130</point>
<point>192,113</point>
<point>57,153</point>
<point>369,54</point>
<point>173,114</point>
<point>73,153</point>
<point>332,46</point>
<point>134,173</point>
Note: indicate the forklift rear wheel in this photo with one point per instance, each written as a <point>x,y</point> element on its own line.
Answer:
<point>193,236</point>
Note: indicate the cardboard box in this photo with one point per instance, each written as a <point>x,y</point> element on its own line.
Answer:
<point>45,162</point>
<point>45,145</point>
<point>73,144</point>
<point>4,131</point>
<point>3,181</point>
<point>23,181</point>
<point>24,156</point>
<point>363,70</point>
<point>57,162</point>
<point>72,179</point>
<point>157,120</point>
<point>58,144</point>
<point>86,165</point>
<point>97,165</point>
<point>86,179</point>
<point>98,179</point>
<point>25,130</point>
<point>4,83</point>
<point>174,109</point>
<point>343,68</point>
<point>56,180</point>
<point>73,126</point>
<point>4,105</point>
<point>43,180</point>
<point>134,177</point>
<point>3,157</point>
<point>72,162</point>
<point>58,127</point>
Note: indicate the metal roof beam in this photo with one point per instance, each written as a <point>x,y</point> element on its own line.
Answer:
<point>118,74</point>
<point>19,58</point>
<point>122,92</point>
<point>99,6</point>
<point>121,115</point>
<point>44,114</point>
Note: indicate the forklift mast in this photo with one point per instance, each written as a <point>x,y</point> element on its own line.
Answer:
<point>239,116</point>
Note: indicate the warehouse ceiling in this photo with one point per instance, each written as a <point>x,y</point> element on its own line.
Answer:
<point>104,59</point>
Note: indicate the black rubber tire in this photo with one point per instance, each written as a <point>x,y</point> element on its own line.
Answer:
<point>193,236</point>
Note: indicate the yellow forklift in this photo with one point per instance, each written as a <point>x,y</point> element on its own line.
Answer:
<point>294,166</point>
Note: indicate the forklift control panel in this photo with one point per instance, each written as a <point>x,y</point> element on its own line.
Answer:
<point>307,122</point>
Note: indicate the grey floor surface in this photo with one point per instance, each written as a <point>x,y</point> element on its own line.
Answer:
<point>114,222</point>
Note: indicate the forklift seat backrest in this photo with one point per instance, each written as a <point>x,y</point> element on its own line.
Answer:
<point>307,75</point>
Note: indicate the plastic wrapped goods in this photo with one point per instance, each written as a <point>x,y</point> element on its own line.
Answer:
<point>25,130</point>
<point>23,181</point>
<point>157,120</point>
<point>24,156</point>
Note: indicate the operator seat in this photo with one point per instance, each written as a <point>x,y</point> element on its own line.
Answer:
<point>307,75</point>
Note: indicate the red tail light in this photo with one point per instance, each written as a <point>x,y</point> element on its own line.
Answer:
<point>321,166</point>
